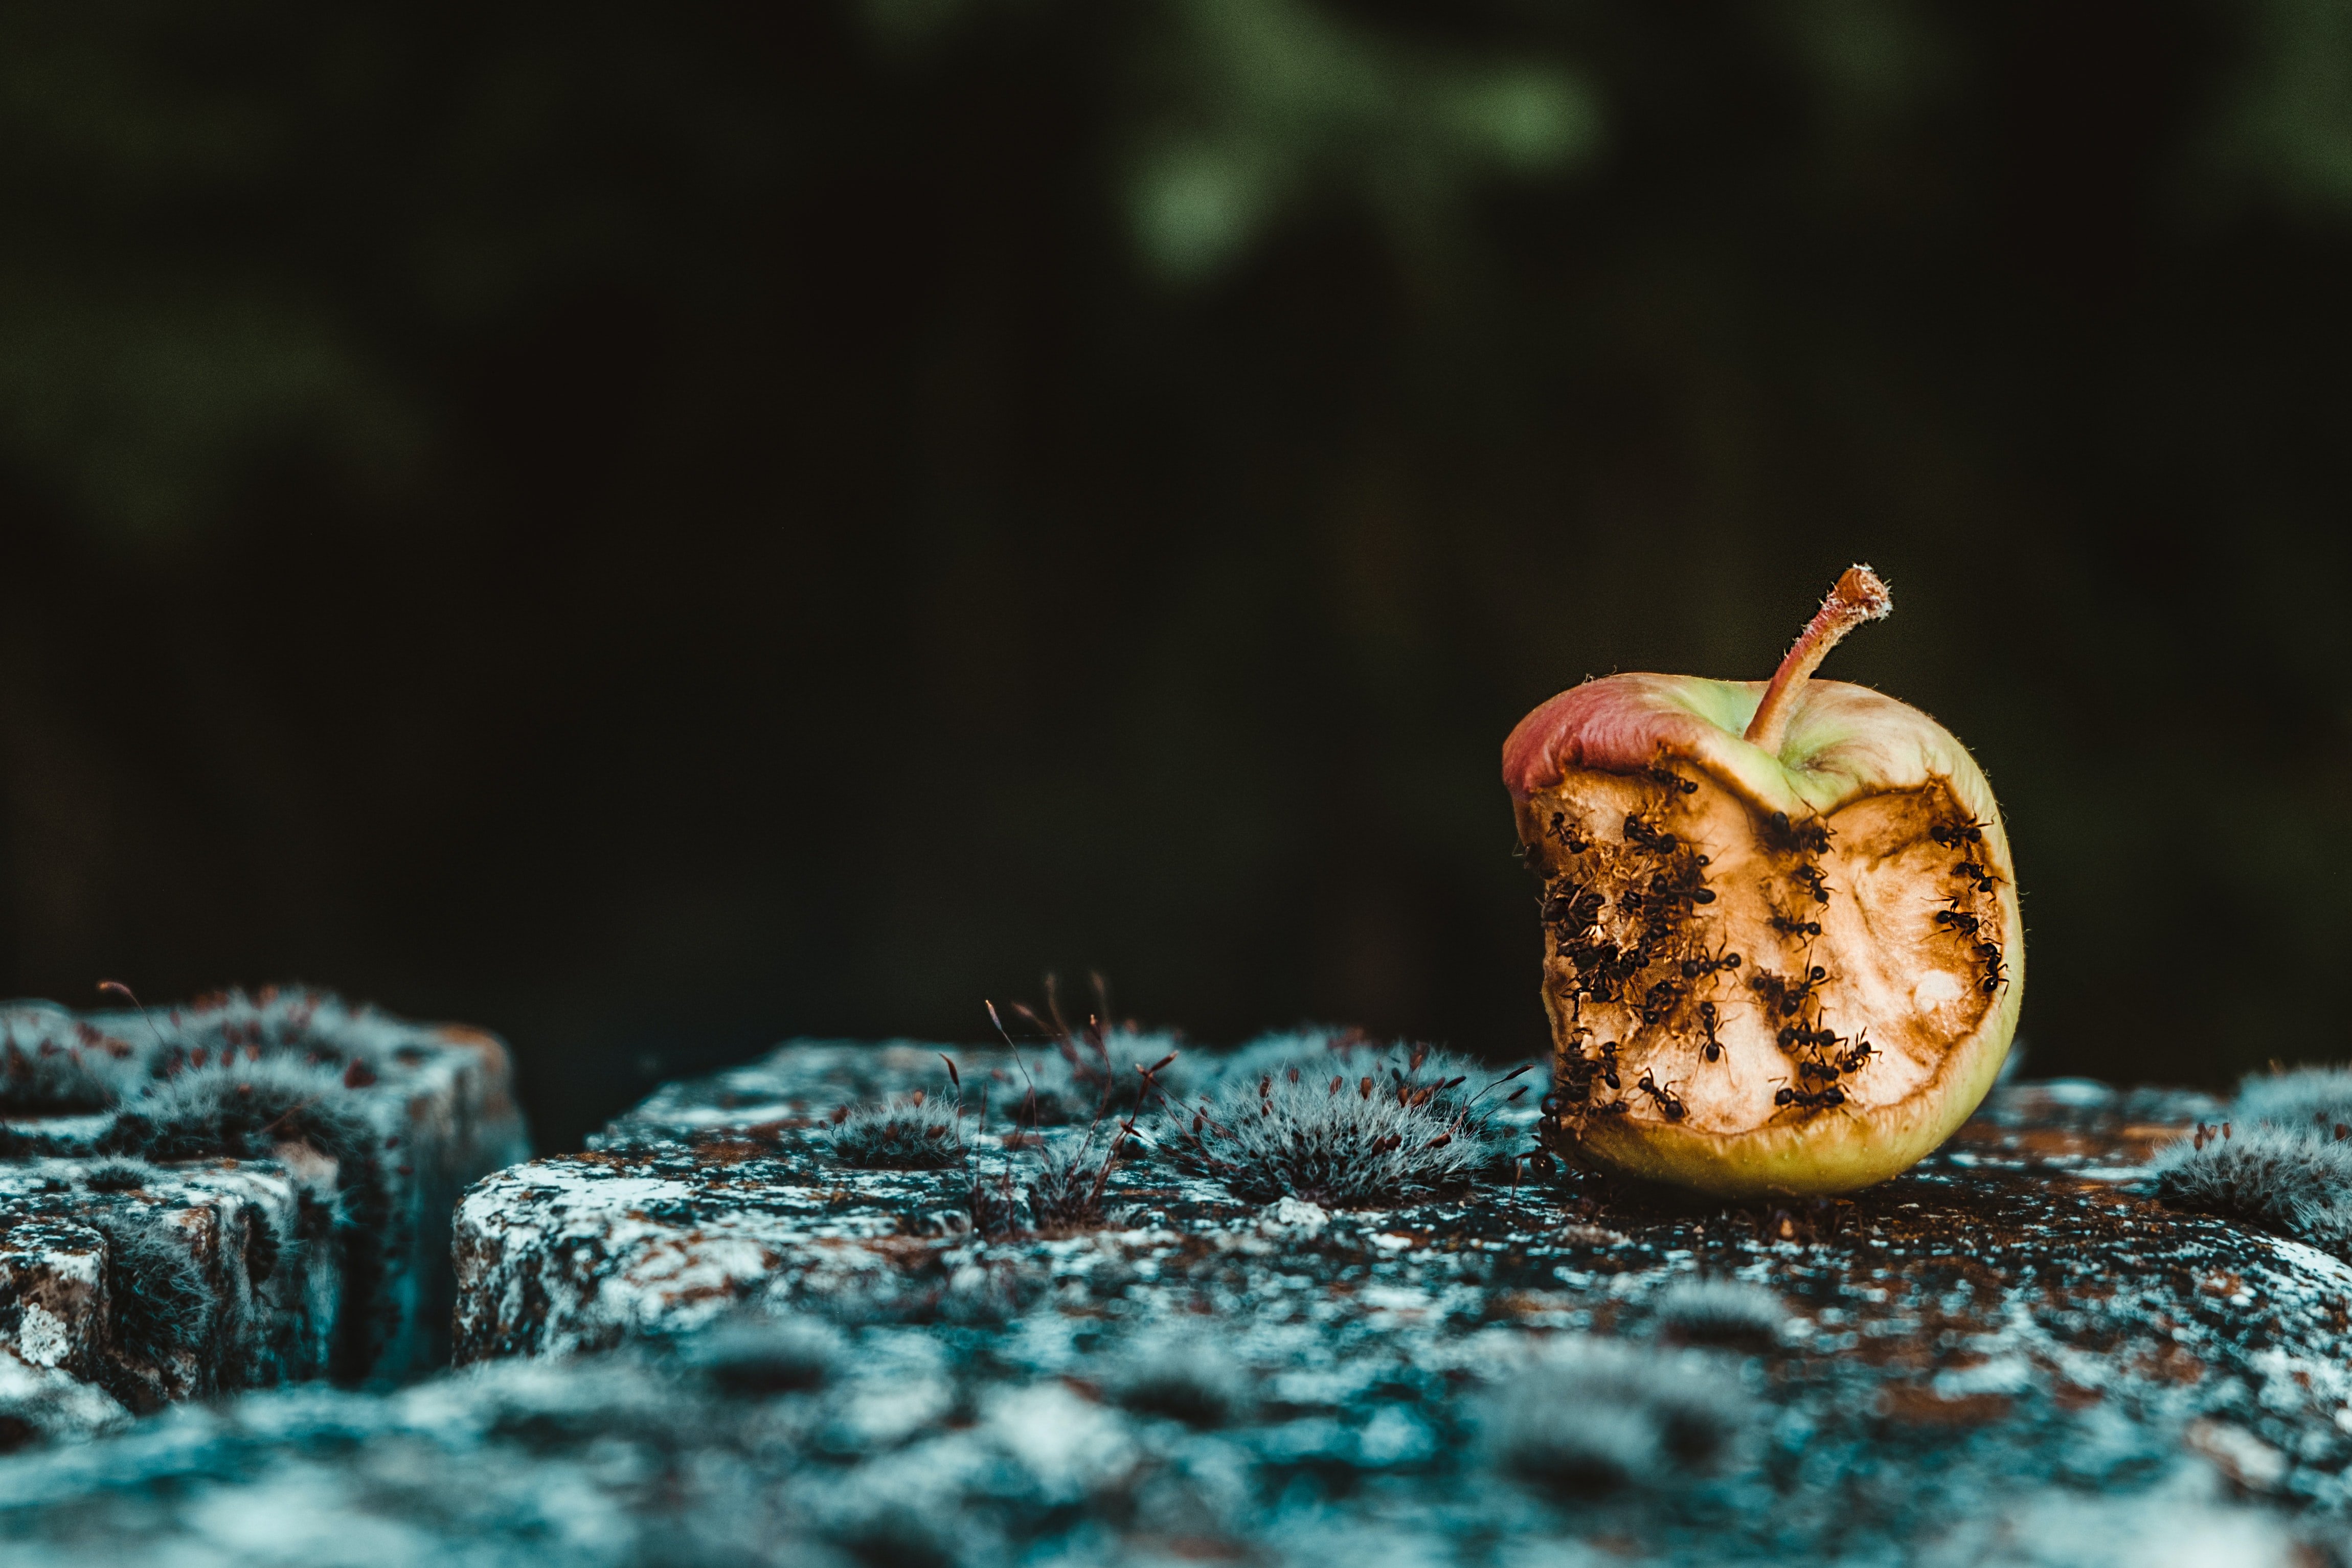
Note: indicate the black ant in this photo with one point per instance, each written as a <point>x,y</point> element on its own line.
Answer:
<point>1609,1064</point>
<point>1857,1055</point>
<point>1826,1099</point>
<point>1671,780</point>
<point>1613,1108</point>
<point>1788,927</point>
<point>1668,1103</point>
<point>1707,1020</point>
<point>1968,832</point>
<point>1996,977</point>
<point>1788,995</point>
<point>1813,1069</point>
<point>1571,904</point>
<point>1813,836</point>
<point>1687,885</point>
<point>1638,831</point>
<point>1984,879</point>
<point>1964,923</point>
<point>1601,968</point>
<point>1794,1037</point>
<point>1571,841</point>
<point>1811,875</point>
<point>1660,1001</point>
<point>1694,967</point>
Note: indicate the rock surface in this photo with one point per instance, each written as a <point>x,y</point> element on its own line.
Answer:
<point>2013,1352</point>
<point>240,1193</point>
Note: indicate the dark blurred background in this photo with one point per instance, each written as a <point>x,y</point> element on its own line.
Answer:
<point>658,529</point>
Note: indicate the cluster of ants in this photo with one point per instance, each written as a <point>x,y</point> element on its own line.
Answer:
<point>1811,837</point>
<point>1782,997</point>
<point>1604,1067</point>
<point>1967,836</point>
<point>1606,970</point>
<point>1834,1055</point>
<point>1661,904</point>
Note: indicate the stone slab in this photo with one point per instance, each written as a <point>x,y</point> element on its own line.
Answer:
<point>152,1252</point>
<point>2019,1317</point>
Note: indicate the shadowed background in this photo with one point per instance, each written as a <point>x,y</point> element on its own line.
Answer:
<point>657,529</point>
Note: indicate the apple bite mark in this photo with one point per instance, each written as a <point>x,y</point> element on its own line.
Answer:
<point>1792,969</point>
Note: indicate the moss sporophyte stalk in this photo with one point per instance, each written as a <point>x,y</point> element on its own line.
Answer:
<point>1781,945</point>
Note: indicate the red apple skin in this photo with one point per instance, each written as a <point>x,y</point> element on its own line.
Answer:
<point>1939,1004</point>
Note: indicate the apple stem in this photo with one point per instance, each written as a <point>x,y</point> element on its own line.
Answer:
<point>1860,595</point>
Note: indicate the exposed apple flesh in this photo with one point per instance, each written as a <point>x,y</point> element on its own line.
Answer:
<point>1782,944</point>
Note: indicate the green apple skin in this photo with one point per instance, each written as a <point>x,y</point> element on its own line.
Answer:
<point>1884,780</point>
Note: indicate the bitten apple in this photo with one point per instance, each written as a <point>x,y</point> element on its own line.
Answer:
<point>1782,944</point>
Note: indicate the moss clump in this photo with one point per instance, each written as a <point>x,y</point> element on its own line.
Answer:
<point>161,1308</point>
<point>914,1131</point>
<point>1348,1128</point>
<point>2283,1178</point>
<point>245,1105</point>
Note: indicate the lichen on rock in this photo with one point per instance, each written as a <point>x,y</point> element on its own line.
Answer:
<point>1539,1362</point>
<point>246,1190</point>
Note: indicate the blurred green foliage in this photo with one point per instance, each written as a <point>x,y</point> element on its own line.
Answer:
<point>661,528</point>
<point>1267,107</point>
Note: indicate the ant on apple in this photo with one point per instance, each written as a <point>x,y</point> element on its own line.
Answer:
<point>1571,904</point>
<point>1671,780</point>
<point>1788,927</point>
<point>1639,832</point>
<point>1685,886</point>
<point>1613,1108</point>
<point>1970,831</point>
<point>1984,879</point>
<point>1571,841</point>
<point>1964,923</point>
<point>1660,1001</point>
<point>1694,967</point>
<point>1826,1099</point>
<point>1858,1055</point>
<point>1813,835</point>
<point>1797,1037</point>
<point>1709,1020</point>
<point>1669,1103</point>
<point>1788,995</point>
<point>1811,875</point>
<point>1609,1064</point>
